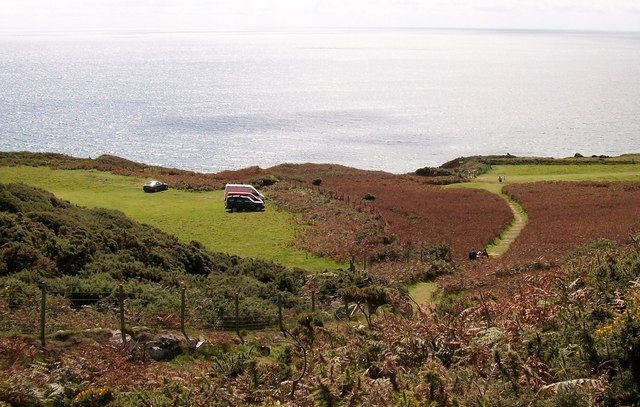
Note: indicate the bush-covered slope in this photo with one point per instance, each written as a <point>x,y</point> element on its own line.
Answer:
<point>43,238</point>
<point>44,233</point>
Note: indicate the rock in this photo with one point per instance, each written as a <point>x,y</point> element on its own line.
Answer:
<point>195,344</point>
<point>115,337</point>
<point>168,347</point>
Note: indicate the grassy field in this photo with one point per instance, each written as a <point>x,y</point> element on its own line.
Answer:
<point>524,173</point>
<point>189,216</point>
<point>532,173</point>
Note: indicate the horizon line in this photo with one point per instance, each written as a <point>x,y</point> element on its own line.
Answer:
<point>302,29</point>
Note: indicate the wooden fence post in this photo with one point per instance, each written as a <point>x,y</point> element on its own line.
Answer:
<point>346,310</point>
<point>313,301</point>
<point>182,311</point>
<point>221,317</point>
<point>237,305</point>
<point>280,324</point>
<point>43,309</point>
<point>121,301</point>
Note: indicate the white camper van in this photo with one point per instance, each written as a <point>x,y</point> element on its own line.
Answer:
<point>241,189</point>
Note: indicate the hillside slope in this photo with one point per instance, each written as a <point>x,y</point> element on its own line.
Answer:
<point>523,330</point>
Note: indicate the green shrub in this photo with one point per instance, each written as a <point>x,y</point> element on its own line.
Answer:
<point>437,268</point>
<point>18,256</point>
<point>453,304</point>
<point>571,396</point>
<point>433,172</point>
<point>18,293</point>
<point>232,364</point>
<point>596,245</point>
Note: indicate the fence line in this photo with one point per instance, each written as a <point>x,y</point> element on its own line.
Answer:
<point>111,307</point>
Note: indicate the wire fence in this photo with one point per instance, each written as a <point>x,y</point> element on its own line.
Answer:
<point>47,312</point>
<point>363,204</point>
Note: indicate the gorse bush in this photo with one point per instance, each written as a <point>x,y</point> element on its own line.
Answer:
<point>18,293</point>
<point>367,299</point>
<point>433,172</point>
<point>596,326</point>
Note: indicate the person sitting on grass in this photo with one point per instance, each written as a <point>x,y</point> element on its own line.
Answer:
<point>472,254</point>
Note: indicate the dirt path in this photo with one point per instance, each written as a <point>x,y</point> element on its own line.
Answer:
<point>511,233</point>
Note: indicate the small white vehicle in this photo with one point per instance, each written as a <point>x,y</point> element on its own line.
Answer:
<point>241,189</point>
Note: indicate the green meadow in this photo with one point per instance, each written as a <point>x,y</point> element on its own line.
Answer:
<point>564,172</point>
<point>524,173</point>
<point>189,216</point>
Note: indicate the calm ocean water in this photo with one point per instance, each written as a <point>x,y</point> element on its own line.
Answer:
<point>392,100</point>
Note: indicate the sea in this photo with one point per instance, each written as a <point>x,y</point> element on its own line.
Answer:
<point>378,99</point>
